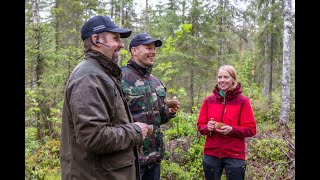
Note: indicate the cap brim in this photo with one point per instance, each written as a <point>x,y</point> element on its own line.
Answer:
<point>157,42</point>
<point>124,33</point>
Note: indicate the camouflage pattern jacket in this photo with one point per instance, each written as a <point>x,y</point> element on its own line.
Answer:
<point>145,95</point>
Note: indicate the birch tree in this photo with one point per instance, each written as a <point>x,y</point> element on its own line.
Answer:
<point>285,96</point>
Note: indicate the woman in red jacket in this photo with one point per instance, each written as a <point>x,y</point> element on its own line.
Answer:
<point>226,118</point>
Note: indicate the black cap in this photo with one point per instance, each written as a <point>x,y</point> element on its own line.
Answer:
<point>144,39</point>
<point>98,24</point>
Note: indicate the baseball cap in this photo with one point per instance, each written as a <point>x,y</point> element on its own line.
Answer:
<point>98,24</point>
<point>144,39</point>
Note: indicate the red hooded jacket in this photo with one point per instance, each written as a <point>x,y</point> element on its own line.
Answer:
<point>234,110</point>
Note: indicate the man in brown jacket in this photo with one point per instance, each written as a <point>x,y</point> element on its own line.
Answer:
<point>98,135</point>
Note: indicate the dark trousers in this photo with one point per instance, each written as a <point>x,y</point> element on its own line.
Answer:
<point>213,168</point>
<point>150,172</point>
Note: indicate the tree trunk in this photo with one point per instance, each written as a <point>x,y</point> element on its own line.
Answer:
<point>191,88</point>
<point>221,40</point>
<point>38,60</point>
<point>285,97</point>
<point>57,25</point>
<point>112,9</point>
<point>271,70</point>
<point>253,60</point>
<point>183,11</point>
<point>147,17</point>
<point>243,39</point>
<point>266,67</point>
<point>272,55</point>
<point>121,14</point>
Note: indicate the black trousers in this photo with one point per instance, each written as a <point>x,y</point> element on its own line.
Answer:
<point>150,172</point>
<point>213,168</point>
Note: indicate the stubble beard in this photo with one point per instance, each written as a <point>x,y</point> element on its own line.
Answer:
<point>115,59</point>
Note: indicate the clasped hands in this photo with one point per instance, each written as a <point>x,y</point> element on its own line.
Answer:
<point>213,125</point>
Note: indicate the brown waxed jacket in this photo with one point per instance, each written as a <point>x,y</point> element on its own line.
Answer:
<point>98,137</point>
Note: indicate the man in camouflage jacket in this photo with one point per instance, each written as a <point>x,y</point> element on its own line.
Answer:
<point>145,95</point>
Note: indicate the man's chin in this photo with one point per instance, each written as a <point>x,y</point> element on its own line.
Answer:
<point>150,62</point>
<point>115,59</point>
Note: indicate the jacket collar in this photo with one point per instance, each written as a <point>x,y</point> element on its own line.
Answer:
<point>109,66</point>
<point>141,70</point>
<point>230,94</point>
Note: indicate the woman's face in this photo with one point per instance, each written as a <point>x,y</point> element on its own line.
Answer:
<point>225,81</point>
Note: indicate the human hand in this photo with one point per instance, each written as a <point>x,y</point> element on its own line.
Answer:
<point>218,125</point>
<point>173,104</point>
<point>224,130</point>
<point>144,129</point>
<point>150,130</point>
<point>211,125</point>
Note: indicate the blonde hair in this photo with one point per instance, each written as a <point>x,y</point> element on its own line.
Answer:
<point>232,72</point>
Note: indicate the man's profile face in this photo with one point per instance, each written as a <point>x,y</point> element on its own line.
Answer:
<point>115,44</point>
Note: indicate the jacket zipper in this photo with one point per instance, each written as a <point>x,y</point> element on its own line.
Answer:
<point>223,109</point>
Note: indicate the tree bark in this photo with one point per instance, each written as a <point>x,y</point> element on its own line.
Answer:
<point>266,67</point>
<point>38,60</point>
<point>272,55</point>
<point>285,95</point>
<point>221,40</point>
<point>272,43</point>
<point>56,26</point>
<point>112,9</point>
<point>191,88</point>
<point>253,60</point>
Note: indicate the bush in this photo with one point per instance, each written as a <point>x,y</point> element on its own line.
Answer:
<point>44,163</point>
<point>267,159</point>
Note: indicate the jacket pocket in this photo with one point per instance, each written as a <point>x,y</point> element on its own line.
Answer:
<point>134,96</point>
<point>232,116</point>
<point>117,160</point>
<point>161,91</point>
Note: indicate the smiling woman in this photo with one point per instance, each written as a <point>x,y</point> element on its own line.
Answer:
<point>226,118</point>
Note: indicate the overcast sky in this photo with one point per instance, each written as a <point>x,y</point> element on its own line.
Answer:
<point>140,4</point>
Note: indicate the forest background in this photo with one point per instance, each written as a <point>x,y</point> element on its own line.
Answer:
<point>257,37</point>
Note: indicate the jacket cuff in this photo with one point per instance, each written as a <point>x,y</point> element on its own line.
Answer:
<point>235,132</point>
<point>169,114</point>
<point>137,128</point>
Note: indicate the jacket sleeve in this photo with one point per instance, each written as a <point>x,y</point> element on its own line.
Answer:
<point>164,110</point>
<point>166,115</point>
<point>247,125</point>
<point>203,119</point>
<point>91,101</point>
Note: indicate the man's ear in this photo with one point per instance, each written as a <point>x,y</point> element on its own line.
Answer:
<point>133,50</point>
<point>94,39</point>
